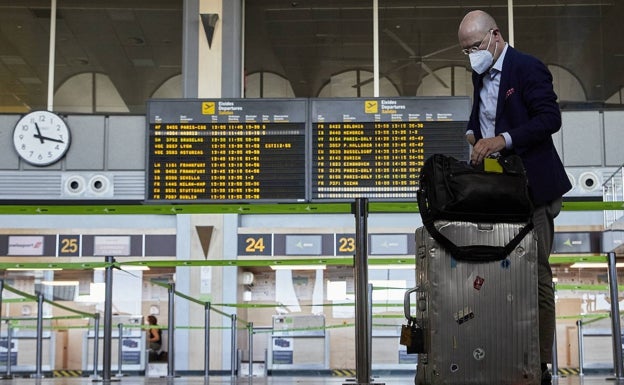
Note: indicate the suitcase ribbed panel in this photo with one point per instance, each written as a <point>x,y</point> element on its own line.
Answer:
<point>481,319</point>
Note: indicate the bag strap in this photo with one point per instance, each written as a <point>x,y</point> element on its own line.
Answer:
<point>478,253</point>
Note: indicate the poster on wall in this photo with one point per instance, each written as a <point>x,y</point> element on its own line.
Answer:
<point>131,350</point>
<point>282,350</point>
<point>4,351</point>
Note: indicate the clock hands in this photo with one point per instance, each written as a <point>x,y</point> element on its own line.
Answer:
<point>38,135</point>
<point>43,138</point>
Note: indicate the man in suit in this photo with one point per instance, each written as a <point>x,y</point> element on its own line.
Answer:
<point>515,110</point>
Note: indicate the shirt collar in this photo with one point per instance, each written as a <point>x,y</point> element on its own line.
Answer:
<point>498,66</point>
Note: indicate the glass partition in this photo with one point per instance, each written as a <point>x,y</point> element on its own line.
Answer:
<point>325,48</point>
<point>109,56</point>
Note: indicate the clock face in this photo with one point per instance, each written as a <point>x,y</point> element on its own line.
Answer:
<point>41,138</point>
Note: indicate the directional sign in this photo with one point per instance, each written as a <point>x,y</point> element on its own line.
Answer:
<point>571,243</point>
<point>304,245</point>
<point>388,244</point>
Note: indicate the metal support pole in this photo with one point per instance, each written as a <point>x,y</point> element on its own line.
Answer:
<point>9,363</point>
<point>370,326</point>
<point>375,49</point>
<point>362,327</point>
<point>616,331</point>
<point>96,345</point>
<point>52,55</point>
<point>250,336</point>
<point>1,291</point>
<point>206,340</point>
<point>579,325</point>
<point>108,319</point>
<point>233,347</point>
<point>555,359</point>
<point>8,375</point>
<point>39,338</point>
<point>510,20</point>
<point>119,350</point>
<point>171,332</point>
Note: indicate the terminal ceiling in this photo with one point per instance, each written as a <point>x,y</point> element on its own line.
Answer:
<point>138,43</point>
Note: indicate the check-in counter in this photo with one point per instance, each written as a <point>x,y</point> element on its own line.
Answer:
<point>131,340</point>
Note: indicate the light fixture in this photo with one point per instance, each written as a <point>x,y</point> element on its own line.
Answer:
<point>298,267</point>
<point>595,265</point>
<point>392,267</point>
<point>60,283</point>
<point>127,268</point>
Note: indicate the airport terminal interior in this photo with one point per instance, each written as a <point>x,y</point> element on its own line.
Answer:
<point>208,167</point>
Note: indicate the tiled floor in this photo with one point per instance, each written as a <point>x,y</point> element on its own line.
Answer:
<point>272,380</point>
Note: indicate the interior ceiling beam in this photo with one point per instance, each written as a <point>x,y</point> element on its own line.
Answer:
<point>437,7</point>
<point>109,5</point>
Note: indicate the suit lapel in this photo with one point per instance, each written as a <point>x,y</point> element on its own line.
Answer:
<point>505,82</point>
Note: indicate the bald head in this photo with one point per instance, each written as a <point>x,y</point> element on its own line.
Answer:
<point>478,29</point>
<point>478,22</point>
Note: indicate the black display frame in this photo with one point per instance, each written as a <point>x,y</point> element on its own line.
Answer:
<point>391,111</point>
<point>400,113</point>
<point>226,115</point>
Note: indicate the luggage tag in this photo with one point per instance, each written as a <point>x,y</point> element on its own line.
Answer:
<point>492,165</point>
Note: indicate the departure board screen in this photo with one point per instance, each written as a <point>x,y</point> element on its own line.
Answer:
<point>374,148</point>
<point>242,150</point>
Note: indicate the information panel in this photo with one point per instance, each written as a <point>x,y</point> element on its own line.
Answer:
<point>226,150</point>
<point>374,148</point>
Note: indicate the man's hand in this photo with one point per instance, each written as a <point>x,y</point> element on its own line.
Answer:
<point>470,138</point>
<point>485,147</point>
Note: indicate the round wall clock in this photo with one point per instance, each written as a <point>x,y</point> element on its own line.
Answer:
<point>41,138</point>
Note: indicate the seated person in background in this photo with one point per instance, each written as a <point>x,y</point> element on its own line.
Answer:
<point>154,338</point>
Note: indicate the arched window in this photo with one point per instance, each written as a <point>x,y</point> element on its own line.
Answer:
<point>567,86</point>
<point>447,81</point>
<point>617,97</point>
<point>356,83</point>
<point>171,88</point>
<point>267,85</point>
<point>457,81</point>
<point>88,93</point>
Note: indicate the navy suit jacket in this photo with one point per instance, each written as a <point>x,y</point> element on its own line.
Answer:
<point>527,109</point>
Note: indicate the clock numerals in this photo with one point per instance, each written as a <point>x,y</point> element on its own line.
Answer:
<point>41,138</point>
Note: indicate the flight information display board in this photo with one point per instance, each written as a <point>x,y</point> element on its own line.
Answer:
<point>374,148</point>
<point>205,150</point>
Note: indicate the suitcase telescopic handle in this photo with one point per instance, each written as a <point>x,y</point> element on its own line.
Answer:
<point>478,253</point>
<point>407,303</point>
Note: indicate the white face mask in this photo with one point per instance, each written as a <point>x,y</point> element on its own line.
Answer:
<point>482,59</point>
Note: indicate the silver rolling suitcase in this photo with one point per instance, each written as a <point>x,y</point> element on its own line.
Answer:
<point>480,319</point>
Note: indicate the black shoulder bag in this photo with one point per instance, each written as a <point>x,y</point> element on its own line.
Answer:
<point>454,190</point>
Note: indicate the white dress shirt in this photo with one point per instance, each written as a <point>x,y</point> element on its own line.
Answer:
<point>488,100</point>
